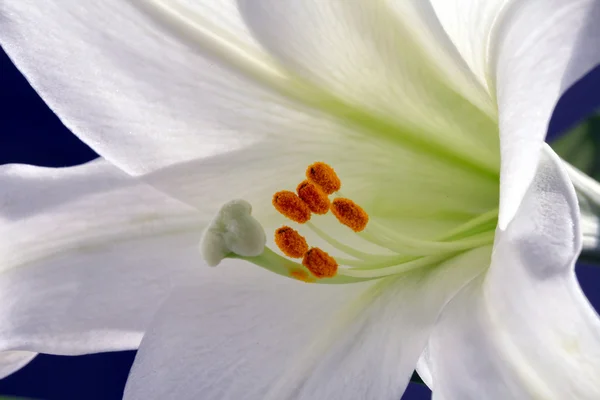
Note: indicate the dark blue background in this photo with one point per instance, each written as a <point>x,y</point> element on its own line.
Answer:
<point>30,133</point>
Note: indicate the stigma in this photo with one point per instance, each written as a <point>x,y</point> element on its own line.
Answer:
<point>232,231</point>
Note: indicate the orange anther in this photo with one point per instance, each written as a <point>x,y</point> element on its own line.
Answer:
<point>290,242</point>
<point>319,263</point>
<point>301,275</point>
<point>290,205</point>
<point>350,214</point>
<point>323,176</point>
<point>315,199</point>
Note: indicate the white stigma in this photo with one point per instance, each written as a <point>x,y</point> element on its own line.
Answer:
<point>233,230</point>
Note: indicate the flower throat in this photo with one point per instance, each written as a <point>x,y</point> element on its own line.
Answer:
<point>235,234</point>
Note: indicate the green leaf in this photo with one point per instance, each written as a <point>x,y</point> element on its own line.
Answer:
<point>580,146</point>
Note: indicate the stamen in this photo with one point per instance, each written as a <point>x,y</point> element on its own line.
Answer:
<point>345,248</point>
<point>313,196</point>
<point>396,268</point>
<point>291,206</point>
<point>478,224</point>
<point>280,265</point>
<point>290,242</point>
<point>323,176</point>
<point>402,267</point>
<point>319,263</point>
<point>396,242</point>
<point>350,214</point>
<point>235,234</point>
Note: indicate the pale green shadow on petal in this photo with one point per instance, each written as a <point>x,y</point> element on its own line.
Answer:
<point>380,62</point>
<point>261,69</point>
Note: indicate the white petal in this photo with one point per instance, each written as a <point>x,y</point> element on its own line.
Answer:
<point>424,368</point>
<point>12,361</point>
<point>469,25</point>
<point>538,49</point>
<point>239,333</point>
<point>86,256</point>
<point>133,83</point>
<point>524,330</point>
<point>390,59</point>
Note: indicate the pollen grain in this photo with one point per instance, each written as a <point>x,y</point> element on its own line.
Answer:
<point>313,196</point>
<point>290,242</point>
<point>350,214</point>
<point>324,177</point>
<point>301,275</point>
<point>290,205</point>
<point>319,263</point>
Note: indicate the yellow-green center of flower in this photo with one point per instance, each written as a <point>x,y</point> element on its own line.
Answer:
<point>234,233</point>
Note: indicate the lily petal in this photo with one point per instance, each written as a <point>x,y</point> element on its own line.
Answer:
<point>139,92</point>
<point>538,49</point>
<point>525,329</point>
<point>86,256</point>
<point>469,24</point>
<point>240,333</point>
<point>385,59</point>
<point>12,361</point>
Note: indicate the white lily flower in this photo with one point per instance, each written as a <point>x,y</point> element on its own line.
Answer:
<point>433,114</point>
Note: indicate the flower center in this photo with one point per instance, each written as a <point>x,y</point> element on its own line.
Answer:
<point>234,233</point>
